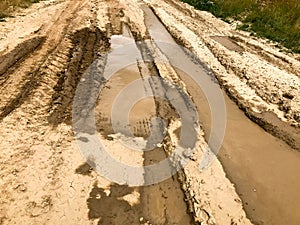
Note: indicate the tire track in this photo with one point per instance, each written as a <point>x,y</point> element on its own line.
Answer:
<point>35,67</point>
<point>12,60</point>
<point>32,100</point>
<point>88,46</point>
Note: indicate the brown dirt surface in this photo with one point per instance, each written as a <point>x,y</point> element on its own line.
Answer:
<point>46,51</point>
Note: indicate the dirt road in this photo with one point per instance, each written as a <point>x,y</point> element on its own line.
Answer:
<point>50,51</point>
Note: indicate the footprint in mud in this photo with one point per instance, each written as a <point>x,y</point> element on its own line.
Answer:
<point>112,208</point>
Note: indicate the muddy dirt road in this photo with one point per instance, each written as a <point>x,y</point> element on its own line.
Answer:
<point>50,51</point>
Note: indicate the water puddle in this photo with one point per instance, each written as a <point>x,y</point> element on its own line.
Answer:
<point>156,202</point>
<point>265,170</point>
<point>228,43</point>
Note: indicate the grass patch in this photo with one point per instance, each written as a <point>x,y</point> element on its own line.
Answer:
<point>8,6</point>
<point>278,20</point>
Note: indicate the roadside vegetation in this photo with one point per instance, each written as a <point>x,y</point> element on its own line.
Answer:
<point>278,20</point>
<point>8,6</point>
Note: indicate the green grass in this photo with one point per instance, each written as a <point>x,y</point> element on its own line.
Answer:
<point>278,20</point>
<point>8,6</point>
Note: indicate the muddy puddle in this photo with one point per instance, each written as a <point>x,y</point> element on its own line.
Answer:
<point>264,169</point>
<point>156,202</point>
<point>228,43</point>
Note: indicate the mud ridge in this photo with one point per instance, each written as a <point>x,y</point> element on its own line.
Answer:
<point>273,58</point>
<point>272,124</point>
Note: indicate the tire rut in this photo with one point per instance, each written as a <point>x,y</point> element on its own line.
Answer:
<point>88,45</point>
<point>34,66</point>
<point>12,60</point>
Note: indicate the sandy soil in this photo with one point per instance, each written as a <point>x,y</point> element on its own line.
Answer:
<point>45,53</point>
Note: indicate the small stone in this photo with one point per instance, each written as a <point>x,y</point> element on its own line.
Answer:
<point>15,172</point>
<point>288,96</point>
<point>21,187</point>
<point>237,200</point>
